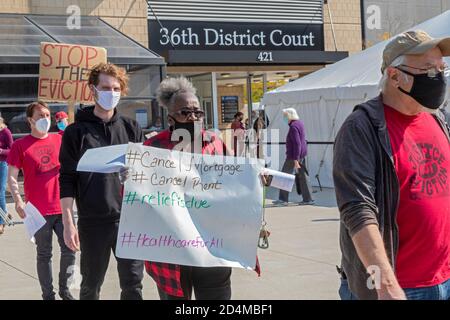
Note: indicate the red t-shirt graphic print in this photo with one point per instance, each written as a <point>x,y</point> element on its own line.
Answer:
<point>421,153</point>
<point>39,161</point>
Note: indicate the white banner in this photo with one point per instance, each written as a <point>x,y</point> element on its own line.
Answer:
<point>190,209</point>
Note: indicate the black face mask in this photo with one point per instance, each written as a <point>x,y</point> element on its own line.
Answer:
<point>429,92</point>
<point>189,126</point>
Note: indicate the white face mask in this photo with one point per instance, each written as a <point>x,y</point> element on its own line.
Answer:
<point>108,100</point>
<point>42,125</point>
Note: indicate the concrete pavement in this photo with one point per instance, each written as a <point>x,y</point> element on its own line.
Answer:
<point>299,264</point>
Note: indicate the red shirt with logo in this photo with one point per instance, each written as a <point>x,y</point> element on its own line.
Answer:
<point>421,153</point>
<point>39,161</point>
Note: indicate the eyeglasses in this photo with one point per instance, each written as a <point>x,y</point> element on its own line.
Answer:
<point>189,112</point>
<point>431,72</point>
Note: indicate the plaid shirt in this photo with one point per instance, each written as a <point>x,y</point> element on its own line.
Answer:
<point>167,276</point>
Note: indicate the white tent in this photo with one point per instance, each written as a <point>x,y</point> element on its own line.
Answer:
<point>326,97</point>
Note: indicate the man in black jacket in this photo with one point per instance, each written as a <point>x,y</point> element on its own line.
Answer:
<point>98,196</point>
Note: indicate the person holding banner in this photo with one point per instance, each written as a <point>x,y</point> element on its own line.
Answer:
<point>98,195</point>
<point>176,282</point>
<point>37,156</point>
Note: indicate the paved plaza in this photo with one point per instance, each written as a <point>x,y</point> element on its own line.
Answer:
<point>299,264</point>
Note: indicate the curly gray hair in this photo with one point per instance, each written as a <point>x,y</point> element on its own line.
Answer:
<point>170,88</point>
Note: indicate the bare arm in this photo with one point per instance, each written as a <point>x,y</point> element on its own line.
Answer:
<point>70,231</point>
<point>370,248</point>
<point>13,173</point>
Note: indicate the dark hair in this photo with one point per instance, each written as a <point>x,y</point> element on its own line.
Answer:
<point>31,106</point>
<point>238,114</point>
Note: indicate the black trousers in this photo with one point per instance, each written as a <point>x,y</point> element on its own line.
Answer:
<point>208,283</point>
<point>96,243</point>
<point>44,257</point>
<point>301,180</point>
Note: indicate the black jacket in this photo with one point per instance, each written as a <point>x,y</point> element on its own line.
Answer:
<point>98,195</point>
<point>367,187</point>
<point>446,115</point>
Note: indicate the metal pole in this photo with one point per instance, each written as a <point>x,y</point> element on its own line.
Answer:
<point>215,106</point>
<point>363,24</point>
<point>332,26</point>
<point>249,99</point>
<point>264,82</point>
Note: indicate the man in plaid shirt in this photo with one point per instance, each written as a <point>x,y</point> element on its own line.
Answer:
<point>176,282</point>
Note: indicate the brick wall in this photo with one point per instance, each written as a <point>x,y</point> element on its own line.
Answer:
<point>14,6</point>
<point>346,16</point>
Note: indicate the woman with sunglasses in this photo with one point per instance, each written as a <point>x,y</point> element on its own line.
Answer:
<point>185,118</point>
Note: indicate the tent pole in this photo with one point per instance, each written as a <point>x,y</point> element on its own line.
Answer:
<point>265,82</point>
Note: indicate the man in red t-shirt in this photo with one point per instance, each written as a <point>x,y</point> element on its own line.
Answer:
<point>37,155</point>
<point>391,171</point>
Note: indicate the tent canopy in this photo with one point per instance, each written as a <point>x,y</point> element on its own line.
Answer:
<point>21,35</point>
<point>350,78</point>
<point>326,97</point>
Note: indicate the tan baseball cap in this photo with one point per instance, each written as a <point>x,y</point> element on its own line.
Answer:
<point>413,42</point>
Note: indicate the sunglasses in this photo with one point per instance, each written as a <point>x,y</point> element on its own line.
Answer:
<point>189,112</point>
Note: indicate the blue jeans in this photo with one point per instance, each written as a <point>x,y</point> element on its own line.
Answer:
<point>344,291</point>
<point>3,178</point>
<point>438,292</point>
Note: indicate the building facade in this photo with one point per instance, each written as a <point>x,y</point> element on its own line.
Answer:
<point>252,46</point>
<point>384,19</point>
<point>234,51</point>
<point>118,26</point>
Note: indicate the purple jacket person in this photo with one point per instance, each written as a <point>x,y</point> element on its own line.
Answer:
<point>296,151</point>
<point>296,147</point>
